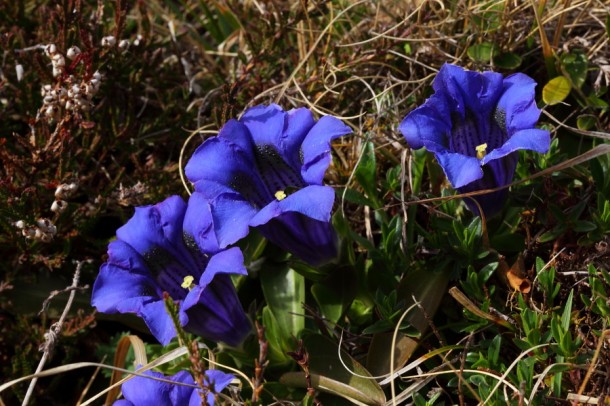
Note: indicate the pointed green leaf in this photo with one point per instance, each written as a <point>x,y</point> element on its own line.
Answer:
<point>284,291</point>
<point>329,375</point>
<point>365,172</point>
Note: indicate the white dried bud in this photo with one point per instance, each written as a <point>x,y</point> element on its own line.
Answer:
<point>124,45</point>
<point>138,40</point>
<point>46,237</point>
<point>19,72</point>
<point>57,71</point>
<point>97,76</point>
<point>59,206</point>
<point>69,105</point>
<point>72,52</point>
<point>108,41</point>
<point>29,232</point>
<point>75,89</point>
<point>50,111</point>
<point>50,50</point>
<point>38,233</point>
<point>58,60</point>
<point>49,99</point>
<point>65,190</point>
<point>20,224</point>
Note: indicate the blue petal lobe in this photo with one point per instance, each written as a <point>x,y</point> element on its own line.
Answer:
<point>231,214</point>
<point>199,224</point>
<point>428,125</point>
<point>147,392</point>
<point>158,321</point>
<point>312,201</point>
<point>124,282</point>
<point>532,139</point>
<point>158,225</point>
<point>316,148</point>
<point>460,169</point>
<point>517,105</point>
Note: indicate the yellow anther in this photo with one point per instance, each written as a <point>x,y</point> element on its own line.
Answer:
<point>280,195</point>
<point>188,282</point>
<point>481,151</point>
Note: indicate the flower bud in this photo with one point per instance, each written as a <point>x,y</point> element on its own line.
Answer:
<point>73,51</point>
<point>50,50</point>
<point>59,206</point>
<point>124,45</point>
<point>108,41</point>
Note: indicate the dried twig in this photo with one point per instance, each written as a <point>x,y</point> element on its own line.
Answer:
<point>51,337</point>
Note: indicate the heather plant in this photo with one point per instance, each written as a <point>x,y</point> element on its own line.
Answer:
<point>318,202</point>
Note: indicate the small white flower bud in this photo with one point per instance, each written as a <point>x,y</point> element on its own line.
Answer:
<point>20,224</point>
<point>57,71</point>
<point>50,50</point>
<point>58,60</point>
<point>108,41</point>
<point>97,76</point>
<point>138,40</point>
<point>19,72</point>
<point>69,105</point>
<point>75,89</point>
<point>72,52</point>
<point>29,232</point>
<point>49,99</point>
<point>59,206</point>
<point>124,45</point>
<point>38,233</point>
<point>50,111</point>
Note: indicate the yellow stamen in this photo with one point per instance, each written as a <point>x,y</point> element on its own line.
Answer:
<point>188,282</point>
<point>280,195</point>
<point>481,151</point>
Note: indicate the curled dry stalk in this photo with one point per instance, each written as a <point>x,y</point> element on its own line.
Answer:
<point>52,336</point>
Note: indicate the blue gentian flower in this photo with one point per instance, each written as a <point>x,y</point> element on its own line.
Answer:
<point>475,124</point>
<point>266,170</point>
<point>140,391</point>
<point>171,248</point>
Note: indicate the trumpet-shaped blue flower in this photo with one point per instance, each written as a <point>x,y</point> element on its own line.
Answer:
<point>475,124</point>
<point>141,391</point>
<point>172,248</point>
<point>266,170</point>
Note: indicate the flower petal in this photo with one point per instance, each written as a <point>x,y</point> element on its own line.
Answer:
<point>316,148</point>
<point>124,282</point>
<point>428,125</point>
<point>517,105</point>
<point>158,321</point>
<point>155,226</point>
<point>460,169</point>
<point>532,139</point>
<point>199,224</point>
<point>231,214</point>
<point>314,241</point>
<point>265,124</point>
<point>220,161</point>
<point>147,392</point>
<point>217,315</point>
<point>312,201</point>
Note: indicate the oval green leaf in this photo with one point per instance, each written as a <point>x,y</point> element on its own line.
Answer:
<point>556,90</point>
<point>481,52</point>
<point>507,60</point>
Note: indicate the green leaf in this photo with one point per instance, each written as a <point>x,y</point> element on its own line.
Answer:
<point>329,375</point>
<point>507,60</point>
<point>556,90</point>
<point>274,335</point>
<point>567,312</point>
<point>575,65</point>
<point>284,291</point>
<point>586,122</point>
<point>336,293</point>
<point>481,52</point>
<point>365,172</point>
